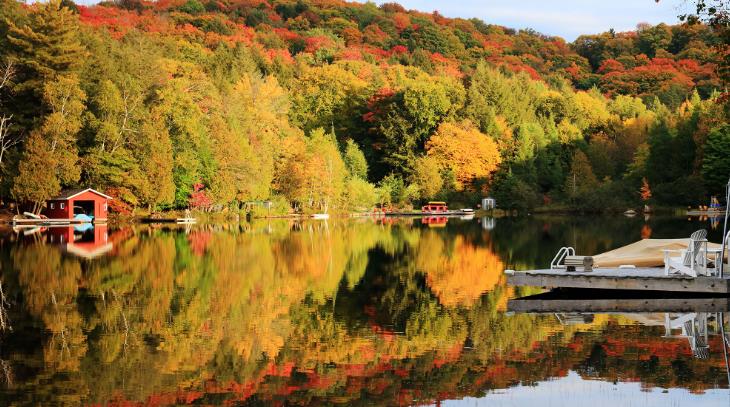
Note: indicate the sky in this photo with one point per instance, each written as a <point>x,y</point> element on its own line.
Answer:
<point>573,390</point>
<point>565,18</point>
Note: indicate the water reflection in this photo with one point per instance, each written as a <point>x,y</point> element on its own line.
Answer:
<point>383,312</point>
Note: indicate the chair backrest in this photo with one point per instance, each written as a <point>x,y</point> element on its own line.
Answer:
<point>695,244</point>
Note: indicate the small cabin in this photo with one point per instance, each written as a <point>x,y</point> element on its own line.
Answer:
<point>434,206</point>
<point>72,203</point>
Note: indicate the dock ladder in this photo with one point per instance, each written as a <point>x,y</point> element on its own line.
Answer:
<point>562,254</point>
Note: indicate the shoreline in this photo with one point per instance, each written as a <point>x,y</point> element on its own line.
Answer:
<point>6,217</point>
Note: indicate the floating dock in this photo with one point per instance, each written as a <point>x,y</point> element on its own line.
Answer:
<point>630,279</point>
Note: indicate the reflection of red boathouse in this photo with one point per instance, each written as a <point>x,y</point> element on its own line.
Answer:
<point>435,221</point>
<point>82,240</point>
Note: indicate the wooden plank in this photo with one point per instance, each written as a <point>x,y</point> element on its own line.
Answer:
<point>620,279</point>
<point>540,305</point>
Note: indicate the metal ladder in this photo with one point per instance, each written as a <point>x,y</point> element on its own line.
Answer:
<point>562,254</point>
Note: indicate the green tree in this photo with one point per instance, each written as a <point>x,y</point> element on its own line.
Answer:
<point>45,47</point>
<point>355,160</point>
<point>405,119</point>
<point>716,163</point>
<point>652,39</point>
<point>36,180</point>
<point>580,180</point>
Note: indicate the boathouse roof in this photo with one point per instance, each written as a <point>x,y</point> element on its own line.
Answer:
<point>67,194</point>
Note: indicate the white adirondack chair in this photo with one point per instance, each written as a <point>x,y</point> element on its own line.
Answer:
<point>692,261</point>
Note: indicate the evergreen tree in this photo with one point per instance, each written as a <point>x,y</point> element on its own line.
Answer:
<point>45,48</point>
<point>355,161</point>
<point>36,180</point>
<point>716,163</point>
<point>580,179</point>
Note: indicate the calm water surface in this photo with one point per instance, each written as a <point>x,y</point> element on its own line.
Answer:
<point>359,312</point>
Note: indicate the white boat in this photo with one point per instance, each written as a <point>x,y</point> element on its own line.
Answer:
<point>321,216</point>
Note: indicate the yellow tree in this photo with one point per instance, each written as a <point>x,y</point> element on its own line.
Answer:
<point>314,173</point>
<point>156,185</point>
<point>427,177</point>
<point>466,151</point>
<point>257,114</point>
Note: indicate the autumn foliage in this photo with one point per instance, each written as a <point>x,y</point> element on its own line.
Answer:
<point>231,103</point>
<point>463,149</point>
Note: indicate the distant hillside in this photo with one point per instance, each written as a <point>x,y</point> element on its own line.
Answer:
<point>662,60</point>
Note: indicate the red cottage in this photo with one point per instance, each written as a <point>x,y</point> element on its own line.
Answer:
<point>78,201</point>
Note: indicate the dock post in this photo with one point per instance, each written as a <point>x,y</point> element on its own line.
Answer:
<point>724,228</point>
<point>721,317</point>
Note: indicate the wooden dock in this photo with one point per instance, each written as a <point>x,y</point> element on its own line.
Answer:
<point>638,279</point>
<point>182,221</point>
<point>710,213</point>
<point>47,222</point>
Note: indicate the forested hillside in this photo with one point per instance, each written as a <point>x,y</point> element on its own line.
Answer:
<point>329,105</point>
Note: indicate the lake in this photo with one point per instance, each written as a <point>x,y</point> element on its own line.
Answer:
<point>350,312</point>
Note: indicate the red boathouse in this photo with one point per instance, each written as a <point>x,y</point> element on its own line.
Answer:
<point>78,201</point>
<point>435,207</point>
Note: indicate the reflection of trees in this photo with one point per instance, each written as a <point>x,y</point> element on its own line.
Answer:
<point>50,284</point>
<point>349,313</point>
<point>457,271</point>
